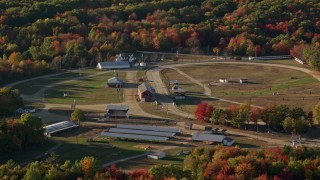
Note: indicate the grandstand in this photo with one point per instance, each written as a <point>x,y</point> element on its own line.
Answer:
<point>60,126</point>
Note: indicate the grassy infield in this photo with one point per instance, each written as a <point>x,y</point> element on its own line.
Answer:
<point>85,91</point>
<point>93,91</point>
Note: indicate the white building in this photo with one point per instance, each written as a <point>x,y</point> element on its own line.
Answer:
<point>228,141</point>
<point>113,65</point>
<point>157,155</point>
<point>244,80</point>
<point>222,80</point>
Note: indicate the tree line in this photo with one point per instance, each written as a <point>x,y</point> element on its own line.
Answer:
<point>276,117</point>
<point>203,163</point>
<point>10,101</point>
<point>17,134</point>
<point>236,163</point>
<point>43,35</point>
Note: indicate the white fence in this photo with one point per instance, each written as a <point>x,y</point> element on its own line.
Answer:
<point>299,60</point>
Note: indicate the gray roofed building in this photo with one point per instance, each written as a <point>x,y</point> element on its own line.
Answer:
<point>117,111</point>
<point>145,87</point>
<point>114,65</point>
<point>115,82</point>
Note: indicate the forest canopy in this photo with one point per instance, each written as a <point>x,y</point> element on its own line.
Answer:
<point>38,36</point>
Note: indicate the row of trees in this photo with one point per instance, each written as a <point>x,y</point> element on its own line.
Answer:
<point>236,163</point>
<point>10,101</point>
<point>75,33</point>
<point>86,168</point>
<point>203,163</point>
<point>20,133</point>
<point>277,117</point>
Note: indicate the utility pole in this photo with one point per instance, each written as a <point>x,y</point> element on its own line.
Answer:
<point>255,51</point>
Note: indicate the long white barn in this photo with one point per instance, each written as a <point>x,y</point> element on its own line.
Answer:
<point>134,136</point>
<point>149,128</point>
<point>133,131</point>
<point>114,65</point>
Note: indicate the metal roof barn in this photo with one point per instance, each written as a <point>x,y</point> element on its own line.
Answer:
<point>141,132</point>
<point>134,136</point>
<point>149,128</point>
<point>208,137</point>
<point>60,126</point>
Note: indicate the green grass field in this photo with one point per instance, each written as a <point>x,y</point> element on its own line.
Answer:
<point>151,108</point>
<point>33,86</point>
<point>267,84</point>
<point>76,147</point>
<point>85,91</point>
<point>172,157</point>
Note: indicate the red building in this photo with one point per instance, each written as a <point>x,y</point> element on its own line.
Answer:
<point>145,92</point>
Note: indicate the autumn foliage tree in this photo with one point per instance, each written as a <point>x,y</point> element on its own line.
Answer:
<point>204,111</point>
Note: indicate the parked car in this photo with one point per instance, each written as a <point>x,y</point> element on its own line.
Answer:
<point>238,58</point>
<point>29,109</point>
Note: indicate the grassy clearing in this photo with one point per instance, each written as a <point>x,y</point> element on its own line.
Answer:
<point>75,74</point>
<point>86,91</point>
<point>268,84</point>
<point>172,157</point>
<point>194,92</point>
<point>76,147</point>
<point>159,111</point>
<point>26,154</point>
<point>33,86</point>
<point>290,62</point>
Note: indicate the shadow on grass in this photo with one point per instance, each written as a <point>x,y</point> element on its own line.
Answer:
<point>130,85</point>
<point>65,112</point>
<point>73,132</point>
<point>245,145</point>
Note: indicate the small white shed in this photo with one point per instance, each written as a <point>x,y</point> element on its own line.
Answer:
<point>244,80</point>
<point>223,80</point>
<point>157,155</point>
<point>228,141</point>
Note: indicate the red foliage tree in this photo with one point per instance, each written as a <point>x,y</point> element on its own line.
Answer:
<point>204,111</point>
<point>297,50</point>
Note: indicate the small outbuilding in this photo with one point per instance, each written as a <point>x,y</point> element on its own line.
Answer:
<point>223,80</point>
<point>244,80</point>
<point>143,64</point>
<point>117,111</point>
<point>146,92</point>
<point>174,82</point>
<point>114,65</point>
<point>228,141</point>
<point>177,92</point>
<point>157,155</point>
<point>115,82</point>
